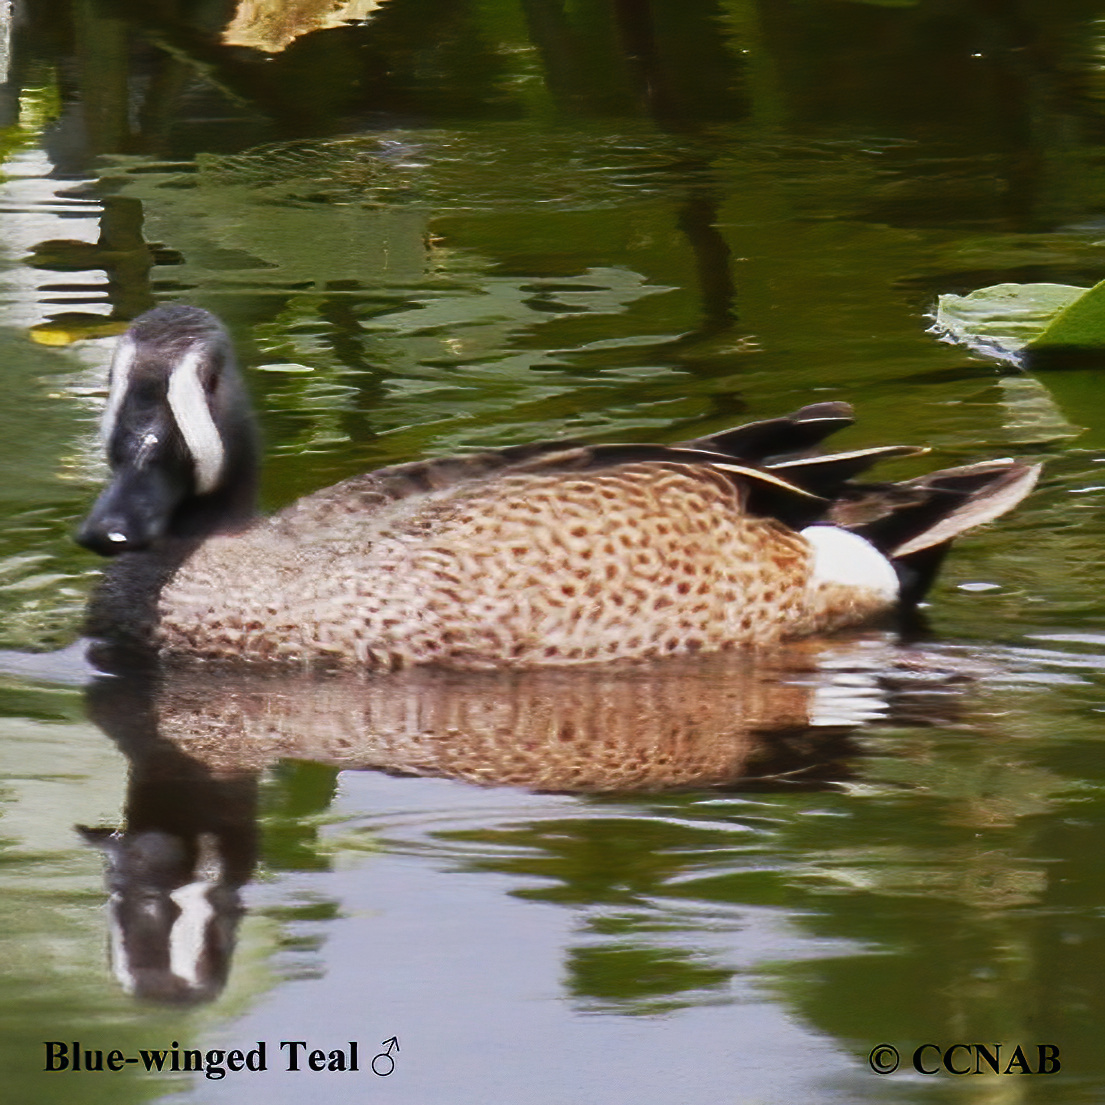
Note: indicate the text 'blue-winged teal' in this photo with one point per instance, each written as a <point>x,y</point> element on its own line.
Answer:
<point>553,553</point>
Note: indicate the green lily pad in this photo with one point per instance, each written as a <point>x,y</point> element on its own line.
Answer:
<point>1002,320</point>
<point>1005,319</point>
<point>1080,324</point>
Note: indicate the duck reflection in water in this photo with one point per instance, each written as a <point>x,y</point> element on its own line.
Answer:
<point>198,740</point>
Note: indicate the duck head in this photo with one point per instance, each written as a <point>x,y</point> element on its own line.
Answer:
<point>179,434</point>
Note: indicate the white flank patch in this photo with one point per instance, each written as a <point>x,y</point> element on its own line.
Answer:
<point>845,558</point>
<point>121,365</point>
<point>188,403</point>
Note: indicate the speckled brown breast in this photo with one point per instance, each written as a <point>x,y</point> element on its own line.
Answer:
<point>525,569</point>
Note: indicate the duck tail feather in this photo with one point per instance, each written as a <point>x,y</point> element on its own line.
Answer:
<point>914,522</point>
<point>976,494</point>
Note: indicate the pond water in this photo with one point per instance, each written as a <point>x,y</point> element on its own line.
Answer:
<point>493,221</point>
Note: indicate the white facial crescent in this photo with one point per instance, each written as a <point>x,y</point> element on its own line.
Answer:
<point>188,402</point>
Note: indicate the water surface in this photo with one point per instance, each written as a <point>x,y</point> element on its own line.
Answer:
<point>430,229</point>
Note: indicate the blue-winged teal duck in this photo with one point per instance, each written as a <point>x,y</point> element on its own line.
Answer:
<point>553,553</point>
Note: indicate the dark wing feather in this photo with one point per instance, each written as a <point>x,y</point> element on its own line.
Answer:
<point>777,437</point>
<point>825,475</point>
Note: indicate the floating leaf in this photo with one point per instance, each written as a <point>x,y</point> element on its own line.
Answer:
<point>1003,319</point>
<point>1079,325</point>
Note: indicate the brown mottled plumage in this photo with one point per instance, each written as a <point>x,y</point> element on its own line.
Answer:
<point>640,560</point>
<point>535,555</point>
